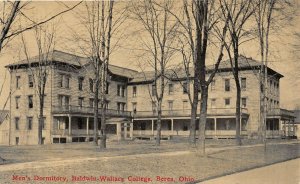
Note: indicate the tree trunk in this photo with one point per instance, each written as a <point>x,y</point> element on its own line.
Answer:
<point>96,116</point>
<point>193,123</point>
<point>262,93</point>
<point>103,127</point>
<point>158,123</point>
<point>238,96</point>
<point>40,125</point>
<point>238,117</point>
<point>203,117</point>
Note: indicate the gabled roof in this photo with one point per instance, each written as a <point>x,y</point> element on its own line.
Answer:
<point>3,115</point>
<point>180,73</point>
<point>74,60</point>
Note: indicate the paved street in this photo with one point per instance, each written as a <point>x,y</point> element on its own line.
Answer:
<point>280,173</point>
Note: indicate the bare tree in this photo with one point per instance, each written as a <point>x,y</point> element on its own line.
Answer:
<point>263,16</point>
<point>11,14</point>
<point>160,30</point>
<point>40,67</point>
<point>201,25</point>
<point>97,20</point>
<point>239,12</point>
<point>266,11</point>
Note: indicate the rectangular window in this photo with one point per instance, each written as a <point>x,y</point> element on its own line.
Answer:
<point>244,102</point>
<point>17,101</point>
<point>121,106</point>
<point>153,89</point>
<point>170,103</point>
<point>213,103</point>
<point>91,84</point>
<point>67,81</point>
<point>118,90</point>
<point>17,120</point>
<point>67,101</point>
<point>106,104</point>
<point>30,101</point>
<point>80,83</point>
<point>29,123</point>
<point>30,81</point>
<point>134,104</point>
<point>134,91</point>
<point>121,90</point>
<point>243,83</point>
<point>60,100</point>
<point>80,101</point>
<point>171,89</point>
<point>63,101</point>
<point>60,80</point>
<point>227,84</point>
<point>227,101</point>
<point>107,88</point>
<point>213,85</point>
<point>91,101</point>
<point>154,107</point>
<point>17,140</point>
<point>18,82</point>
<point>44,123</point>
<point>185,88</point>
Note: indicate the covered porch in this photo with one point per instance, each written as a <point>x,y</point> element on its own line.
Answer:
<point>216,127</point>
<point>280,123</point>
<point>72,128</point>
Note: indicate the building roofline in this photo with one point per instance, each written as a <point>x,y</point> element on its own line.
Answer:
<point>58,58</point>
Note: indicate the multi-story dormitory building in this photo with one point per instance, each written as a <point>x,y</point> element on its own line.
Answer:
<point>131,112</point>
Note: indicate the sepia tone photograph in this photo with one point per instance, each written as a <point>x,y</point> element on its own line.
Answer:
<point>150,91</point>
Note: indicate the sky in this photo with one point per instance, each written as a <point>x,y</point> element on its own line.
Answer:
<point>284,57</point>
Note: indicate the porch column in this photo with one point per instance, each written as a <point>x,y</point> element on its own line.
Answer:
<point>152,126</point>
<point>119,131</point>
<point>241,126</point>
<point>131,130</point>
<point>125,130</point>
<point>87,125</point>
<point>294,133</point>
<point>284,128</point>
<point>172,126</point>
<point>289,128</point>
<point>70,125</point>
<point>215,122</point>
<point>58,123</point>
<point>87,130</point>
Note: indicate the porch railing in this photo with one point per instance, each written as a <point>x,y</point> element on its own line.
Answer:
<point>65,132</point>
<point>87,110</point>
<point>187,112</point>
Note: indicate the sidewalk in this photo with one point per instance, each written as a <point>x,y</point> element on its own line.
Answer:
<point>280,173</point>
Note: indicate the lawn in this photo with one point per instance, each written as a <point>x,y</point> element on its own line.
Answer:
<point>138,161</point>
